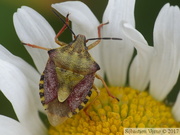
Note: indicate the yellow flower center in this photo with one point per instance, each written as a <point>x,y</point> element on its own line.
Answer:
<point>108,116</point>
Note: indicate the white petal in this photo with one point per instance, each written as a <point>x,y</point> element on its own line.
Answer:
<point>176,32</point>
<point>83,22</point>
<point>9,126</point>
<point>31,74</point>
<point>176,108</point>
<point>32,28</point>
<point>16,89</point>
<point>165,64</point>
<point>117,54</point>
<point>139,70</point>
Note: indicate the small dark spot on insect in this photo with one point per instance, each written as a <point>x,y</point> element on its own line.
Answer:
<point>42,77</point>
<point>74,113</point>
<point>89,93</point>
<point>80,107</point>
<point>41,94</point>
<point>63,70</point>
<point>85,100</point>
<point>43,102</point>
<point>51,51</point>
<point>40,86</point>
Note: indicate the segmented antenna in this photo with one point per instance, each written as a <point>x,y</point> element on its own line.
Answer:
<point>104,38</point>
<point>58,15</point>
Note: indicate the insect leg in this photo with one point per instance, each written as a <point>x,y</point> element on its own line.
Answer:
<point>61,31</point>
<point>105,85</point>
<point>98,93</point>
<point>99,36</point>
<point>35,46</point>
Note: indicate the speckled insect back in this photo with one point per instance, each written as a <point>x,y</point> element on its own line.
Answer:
<point>66,83</point>
<point>67,80</point>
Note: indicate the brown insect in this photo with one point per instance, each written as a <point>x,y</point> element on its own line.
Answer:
<point>66,83</point>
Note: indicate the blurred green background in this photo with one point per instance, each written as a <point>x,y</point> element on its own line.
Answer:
<point>146,12</point>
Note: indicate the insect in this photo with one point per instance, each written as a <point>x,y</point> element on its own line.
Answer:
<point>66,83</point>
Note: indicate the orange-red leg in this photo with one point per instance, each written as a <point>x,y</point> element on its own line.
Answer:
<point>35,46</point>
<point>99,36</point>
<point>106,87</point>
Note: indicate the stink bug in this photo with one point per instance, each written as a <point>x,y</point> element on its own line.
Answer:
<point>66,83</point>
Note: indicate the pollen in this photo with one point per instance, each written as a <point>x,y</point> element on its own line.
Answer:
<point>106,115</point>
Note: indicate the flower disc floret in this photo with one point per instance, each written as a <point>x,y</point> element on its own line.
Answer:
<point>108,116</point>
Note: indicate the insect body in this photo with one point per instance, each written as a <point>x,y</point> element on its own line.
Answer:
<point>67,79</point>
<point>66,83</point>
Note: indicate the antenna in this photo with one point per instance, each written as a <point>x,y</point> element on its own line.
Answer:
<point>104,38</point>
<point>58,15</point>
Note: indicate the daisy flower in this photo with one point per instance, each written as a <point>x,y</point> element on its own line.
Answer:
<point>152,74</point>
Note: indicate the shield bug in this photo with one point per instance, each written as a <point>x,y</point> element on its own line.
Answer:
<point>66,83</point>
